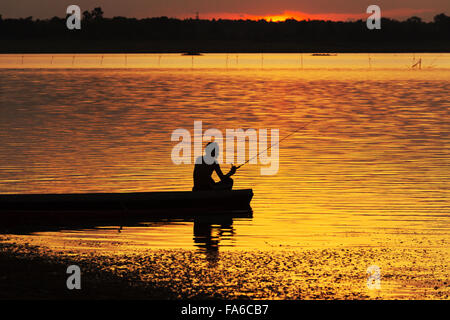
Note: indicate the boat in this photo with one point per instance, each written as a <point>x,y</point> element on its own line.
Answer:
<point>191,53</point>
<point>39,207</point>
<point>324,54</point>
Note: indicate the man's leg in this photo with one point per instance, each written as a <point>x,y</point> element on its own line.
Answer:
<point>225,184</point>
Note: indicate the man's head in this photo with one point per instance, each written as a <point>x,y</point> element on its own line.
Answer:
<point>212,150</point>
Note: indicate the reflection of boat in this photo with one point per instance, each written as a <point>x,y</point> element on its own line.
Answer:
<point>32,224</point>
<point>192,53</point>
<point>123,205</point>
<point>324,54</point>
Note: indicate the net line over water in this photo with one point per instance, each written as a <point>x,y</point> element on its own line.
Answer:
<point>231,61</point>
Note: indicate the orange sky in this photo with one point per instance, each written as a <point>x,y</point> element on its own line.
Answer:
<point>232,9</point>
<point>298,15</point>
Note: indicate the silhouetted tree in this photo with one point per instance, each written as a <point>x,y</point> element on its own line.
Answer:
<point>97,13</point>
<point>441,18</point>
<point>443,24</point>
<point>87,16</point>
<point>414,20</point>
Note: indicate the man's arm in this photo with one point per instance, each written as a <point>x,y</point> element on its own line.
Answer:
<point>220,173</point>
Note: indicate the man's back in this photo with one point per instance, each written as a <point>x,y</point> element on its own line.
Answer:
<point>202,174</point>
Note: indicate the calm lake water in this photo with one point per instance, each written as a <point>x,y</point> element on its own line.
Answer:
<point>370,170</point>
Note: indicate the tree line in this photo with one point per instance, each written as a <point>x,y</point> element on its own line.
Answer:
<point>171,34</point>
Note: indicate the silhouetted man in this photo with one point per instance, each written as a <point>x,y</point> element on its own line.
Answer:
<point>204,168</point>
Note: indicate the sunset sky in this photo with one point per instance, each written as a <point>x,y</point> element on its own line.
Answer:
<point>231,9</point>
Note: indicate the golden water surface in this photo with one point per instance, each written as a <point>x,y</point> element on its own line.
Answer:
<point>370,170</point>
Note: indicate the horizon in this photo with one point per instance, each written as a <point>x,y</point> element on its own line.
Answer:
<point>299,10</point>
<point>269,19</point>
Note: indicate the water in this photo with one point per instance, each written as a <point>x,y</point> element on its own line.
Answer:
<point>370,170</point>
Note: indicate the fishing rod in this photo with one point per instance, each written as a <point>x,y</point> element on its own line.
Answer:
<point>274,144</point>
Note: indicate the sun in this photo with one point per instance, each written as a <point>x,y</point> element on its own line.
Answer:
<point>285,16</point>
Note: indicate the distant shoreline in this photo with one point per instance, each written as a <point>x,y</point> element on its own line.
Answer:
<point>98,34</point>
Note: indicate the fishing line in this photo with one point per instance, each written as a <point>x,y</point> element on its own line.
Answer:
<point>274,144</point>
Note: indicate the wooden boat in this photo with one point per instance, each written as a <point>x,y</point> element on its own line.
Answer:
<point>126,205</point>
<point>191,53</point>
<point>324,54</point>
